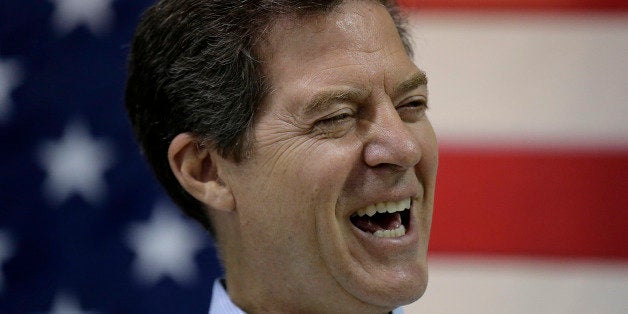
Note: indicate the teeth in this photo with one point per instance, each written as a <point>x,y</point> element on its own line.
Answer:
<point>384,207</point>
<point>391,233</point>
<point>371,210</point>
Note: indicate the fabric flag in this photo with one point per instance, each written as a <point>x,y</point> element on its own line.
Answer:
<point>527,97</point>
<point>84,227</point>
<point>529,101</point>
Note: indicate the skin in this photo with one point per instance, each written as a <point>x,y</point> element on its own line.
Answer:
<point>343,127</point>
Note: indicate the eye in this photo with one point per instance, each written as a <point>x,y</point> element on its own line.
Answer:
<point>338,118</point>
<point>415,102</point>
<point>336,123</point>
<point>413,109</point>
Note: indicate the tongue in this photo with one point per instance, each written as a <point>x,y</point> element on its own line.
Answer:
<point>385,221</point>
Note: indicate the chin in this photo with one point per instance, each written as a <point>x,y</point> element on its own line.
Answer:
<point>407,291</point>
<point>395,289</point>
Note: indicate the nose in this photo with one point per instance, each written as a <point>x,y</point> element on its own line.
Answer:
<point>392,142</point>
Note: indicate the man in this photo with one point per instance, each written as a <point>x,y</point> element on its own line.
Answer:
<point>296,133</point>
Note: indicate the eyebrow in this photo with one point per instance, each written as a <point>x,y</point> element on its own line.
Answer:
<point>324,100</point>
<point>416,80</point>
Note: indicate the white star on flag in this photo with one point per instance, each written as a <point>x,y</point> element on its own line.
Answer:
<point>10,78</point>
<point>67,304</point>
<point>75,165</point>
<point>6,252</point>
<point>97,15</point>
<point>165,246</point>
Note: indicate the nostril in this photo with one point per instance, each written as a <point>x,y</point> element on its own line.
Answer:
<point>389,167</point>
<point>399,151</point>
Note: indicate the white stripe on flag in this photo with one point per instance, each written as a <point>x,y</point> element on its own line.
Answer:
<point>515,81</point>
<point>523,286</point>
<point>527,79</point>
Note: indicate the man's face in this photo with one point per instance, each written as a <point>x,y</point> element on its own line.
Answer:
<point>342,131</point>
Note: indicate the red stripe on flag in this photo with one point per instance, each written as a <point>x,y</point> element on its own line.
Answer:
<point>544,5</point>
<point>560,204</point>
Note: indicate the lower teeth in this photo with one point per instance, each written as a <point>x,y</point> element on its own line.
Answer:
<point>391,233</point>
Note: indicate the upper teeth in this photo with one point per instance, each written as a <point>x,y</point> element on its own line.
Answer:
<point>384,207</point>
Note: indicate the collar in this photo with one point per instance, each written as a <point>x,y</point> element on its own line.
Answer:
<point>221,303</point>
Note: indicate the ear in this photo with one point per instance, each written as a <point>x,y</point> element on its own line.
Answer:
<point>197,173</point>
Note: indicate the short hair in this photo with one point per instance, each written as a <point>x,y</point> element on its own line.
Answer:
<point>194,67</point>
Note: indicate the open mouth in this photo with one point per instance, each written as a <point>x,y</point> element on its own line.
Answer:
<point>385,219</point>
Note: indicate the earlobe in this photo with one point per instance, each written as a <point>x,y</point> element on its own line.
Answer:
<point>219,195</point>
<point>197,173</point>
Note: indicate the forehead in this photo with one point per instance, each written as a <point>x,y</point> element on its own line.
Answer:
<point>353,44</point>
<point>350,22</point>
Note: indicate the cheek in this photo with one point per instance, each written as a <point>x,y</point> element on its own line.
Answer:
<point>284,207</point>
<point>426,171</point>
<point>429,150</point>
<point>293,183</point>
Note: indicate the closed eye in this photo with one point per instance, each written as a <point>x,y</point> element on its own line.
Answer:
<point>335,119</point>
<point>413,110</point>
<point>420,102</point>
<point>336,124</point>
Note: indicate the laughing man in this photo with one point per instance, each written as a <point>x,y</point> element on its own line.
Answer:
<point>296,133</point>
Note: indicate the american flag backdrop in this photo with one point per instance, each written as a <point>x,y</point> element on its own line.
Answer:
<point>84,226</point>
<point>528,99</point>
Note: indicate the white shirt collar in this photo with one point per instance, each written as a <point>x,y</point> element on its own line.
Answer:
<point>221,303</point>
